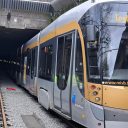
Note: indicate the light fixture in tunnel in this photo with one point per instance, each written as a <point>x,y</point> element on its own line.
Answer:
<point>15,19</point>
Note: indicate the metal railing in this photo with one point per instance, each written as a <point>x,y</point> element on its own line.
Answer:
<point>24,5</point>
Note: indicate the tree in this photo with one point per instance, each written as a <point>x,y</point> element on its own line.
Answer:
<point>56,14</point>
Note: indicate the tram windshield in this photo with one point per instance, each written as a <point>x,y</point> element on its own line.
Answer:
<point>114,42</point>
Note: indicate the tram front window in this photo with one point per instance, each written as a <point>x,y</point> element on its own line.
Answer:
<point>107,54</point>
<point>114,41</point>
<point>115,54</point>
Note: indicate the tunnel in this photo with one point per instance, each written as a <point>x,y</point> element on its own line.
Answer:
<point>10,40</point>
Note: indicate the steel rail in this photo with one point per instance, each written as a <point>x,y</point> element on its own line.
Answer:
<point>3,112</point>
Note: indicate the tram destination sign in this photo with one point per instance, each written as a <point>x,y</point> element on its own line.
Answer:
<point>125,83</point>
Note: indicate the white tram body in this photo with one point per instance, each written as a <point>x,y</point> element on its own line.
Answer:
<point>73,65</point>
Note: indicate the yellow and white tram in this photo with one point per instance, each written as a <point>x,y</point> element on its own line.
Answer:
<point>78,65</point>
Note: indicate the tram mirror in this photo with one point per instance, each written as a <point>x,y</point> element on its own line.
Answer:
<point>91,33</point>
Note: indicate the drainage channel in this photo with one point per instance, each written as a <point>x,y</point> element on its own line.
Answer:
<point>32,121</point>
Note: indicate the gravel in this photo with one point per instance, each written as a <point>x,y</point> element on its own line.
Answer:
<point>18,102</point>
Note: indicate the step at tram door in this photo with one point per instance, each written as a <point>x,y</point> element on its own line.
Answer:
<point>62,87</point>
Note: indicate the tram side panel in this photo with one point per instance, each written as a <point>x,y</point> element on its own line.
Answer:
<point>66,94</point>
<point>69,101</point>
<point>29,65</point>
<point>45,81</point>
<point>31,70</point>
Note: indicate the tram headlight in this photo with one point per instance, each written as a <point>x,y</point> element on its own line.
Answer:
<point>97,99</point>
<point>95,93</point>
<point>93,87</point>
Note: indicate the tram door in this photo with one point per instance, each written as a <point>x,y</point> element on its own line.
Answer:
<point>62,87</point>
<point>25,70</point>
<point>27,86</point>
<point>33,70</point>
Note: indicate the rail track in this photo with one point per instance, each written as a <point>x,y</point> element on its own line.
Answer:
<point>3,122</point>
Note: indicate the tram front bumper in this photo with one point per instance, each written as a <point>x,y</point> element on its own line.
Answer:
<point>115,118</point>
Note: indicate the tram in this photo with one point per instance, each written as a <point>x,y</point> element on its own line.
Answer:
<point>78,65</point>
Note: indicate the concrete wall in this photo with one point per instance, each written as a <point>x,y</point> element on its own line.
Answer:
<point>22,20</point>
<point>42,0</point>
<point>22,14</point>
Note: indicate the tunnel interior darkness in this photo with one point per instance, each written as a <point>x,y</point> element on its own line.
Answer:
<point>11,39</point>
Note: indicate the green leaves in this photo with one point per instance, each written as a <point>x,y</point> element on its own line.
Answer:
<point>58,13</point>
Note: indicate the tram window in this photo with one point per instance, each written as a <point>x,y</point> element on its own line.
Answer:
<point>45,69</point>
<point>32,62</point>
<point>67,57</point>
<point>93,66</point>
<point>63,60</point>
<point>60,61</point>
<point>22,63</point>
<point>79,66</point>
<point>28,62</point>
<point>90,25</point>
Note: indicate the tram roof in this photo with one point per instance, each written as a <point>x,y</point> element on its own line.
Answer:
<point>74,14</point>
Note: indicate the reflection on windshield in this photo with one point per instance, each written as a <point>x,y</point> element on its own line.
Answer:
<point>114,13</point>
<point>114,44</point>
<point>122,58</point>
<point>115,57</point>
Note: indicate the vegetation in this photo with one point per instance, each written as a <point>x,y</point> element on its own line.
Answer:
<point>81,1</point>
<point>56,14</point>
